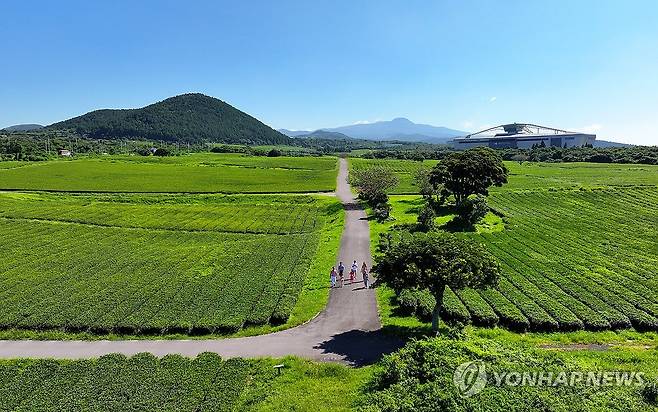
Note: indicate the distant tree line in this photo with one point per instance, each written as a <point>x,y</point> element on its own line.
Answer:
<point>633,154</point>
<point>410,152</point>
<point>44,145</point>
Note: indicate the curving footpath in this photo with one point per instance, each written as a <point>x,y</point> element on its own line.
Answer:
<point>347,331</point>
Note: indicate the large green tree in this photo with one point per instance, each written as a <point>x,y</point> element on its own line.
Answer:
<point>372,184</point>
<point>434,261</point>
<point>471,172</point>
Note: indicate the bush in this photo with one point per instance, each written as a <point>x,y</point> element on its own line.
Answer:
<point>426,218</point>
<point>407,301</point>
<point>373,183</point>
<point>382,211</point>
<point>274,153</point>
<point>472,210</point>
<point>161,152</point>
<point>421,377</point>
<point>650,393</point>
<point>419,303</point>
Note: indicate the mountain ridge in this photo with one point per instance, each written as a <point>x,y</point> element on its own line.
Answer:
<point>185,118</point>
<point>23,127</point>
<point>399,129</point>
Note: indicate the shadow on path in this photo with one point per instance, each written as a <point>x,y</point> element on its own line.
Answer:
<point>359,348</point>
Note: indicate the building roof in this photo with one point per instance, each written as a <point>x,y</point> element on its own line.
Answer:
<point>519,131</point>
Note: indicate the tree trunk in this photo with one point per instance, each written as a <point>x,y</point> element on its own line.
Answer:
<point>436,313</point>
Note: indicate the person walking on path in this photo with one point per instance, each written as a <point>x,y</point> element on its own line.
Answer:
<point>332,276</point>
<point>341,273</point>
<point>353,270</point>
<point>364,273</point>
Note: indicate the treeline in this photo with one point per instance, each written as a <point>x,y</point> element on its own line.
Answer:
<point>328,146</point>
<point>264,151</point>
<point>410,152</point>
<point>634,154</point>
<point>38,146</point>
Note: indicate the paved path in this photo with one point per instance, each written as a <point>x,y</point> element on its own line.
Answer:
<point>348,330</point>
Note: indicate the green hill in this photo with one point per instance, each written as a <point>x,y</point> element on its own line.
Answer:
<point>190,117</point>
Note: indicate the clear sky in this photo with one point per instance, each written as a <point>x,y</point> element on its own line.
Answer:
<point>586,65</point>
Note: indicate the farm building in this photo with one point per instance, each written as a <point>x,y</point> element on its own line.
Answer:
<point>523,136</point>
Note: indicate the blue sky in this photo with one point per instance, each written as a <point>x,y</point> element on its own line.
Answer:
<point>586,65</point>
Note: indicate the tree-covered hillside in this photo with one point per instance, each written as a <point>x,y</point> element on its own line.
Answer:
<point>188,118</point>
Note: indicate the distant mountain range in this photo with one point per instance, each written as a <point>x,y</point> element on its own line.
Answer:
<point>188,117</point>
<point>318,134</point>
<point>400,129</point>
<point>22,128</point>
<point>197,117</point>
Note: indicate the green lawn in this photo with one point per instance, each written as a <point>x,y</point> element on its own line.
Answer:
<point>197,173</point>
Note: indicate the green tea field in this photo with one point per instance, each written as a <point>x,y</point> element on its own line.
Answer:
<point>578,248</point>
<point>196,173</point>
<point>114,382</point>
<point>532,176</point>
<point>164,263</point>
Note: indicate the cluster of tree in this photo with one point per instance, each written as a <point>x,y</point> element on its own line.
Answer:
<point>417,264</point>
<point>432,262</point>
<point>633,154</point>
<point>186,118</point>
<point>373,184</point>
<point>260,151</point>
<point>465,177</point>
<point>410,151</point>
<point>44,145</point>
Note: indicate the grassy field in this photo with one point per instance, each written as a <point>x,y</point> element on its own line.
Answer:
<point>197,173</point>
<point>174,383</point>
<point>576,243</point>
<point>163,263</point>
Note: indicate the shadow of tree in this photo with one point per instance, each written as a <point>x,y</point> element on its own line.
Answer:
<point>359,348</point>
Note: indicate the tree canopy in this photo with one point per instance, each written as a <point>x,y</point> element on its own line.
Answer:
<point>433,261</point>
<point>373,183</point>
<point>471,172</point>
<point>190,117</point>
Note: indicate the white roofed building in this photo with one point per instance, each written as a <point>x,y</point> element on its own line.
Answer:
<point>523,136</point>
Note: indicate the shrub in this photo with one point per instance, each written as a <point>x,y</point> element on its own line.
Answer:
<point>426,218</point>
<point>650,392</point>
<point>407,301</point>
<point>382,211</point>
<point>472,210</point>
<point>373,183</point>
<point>416,302</point>
<point>274,153</point>
<point>161,152</point>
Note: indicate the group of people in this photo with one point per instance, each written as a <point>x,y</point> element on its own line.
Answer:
<point>338,277</point>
